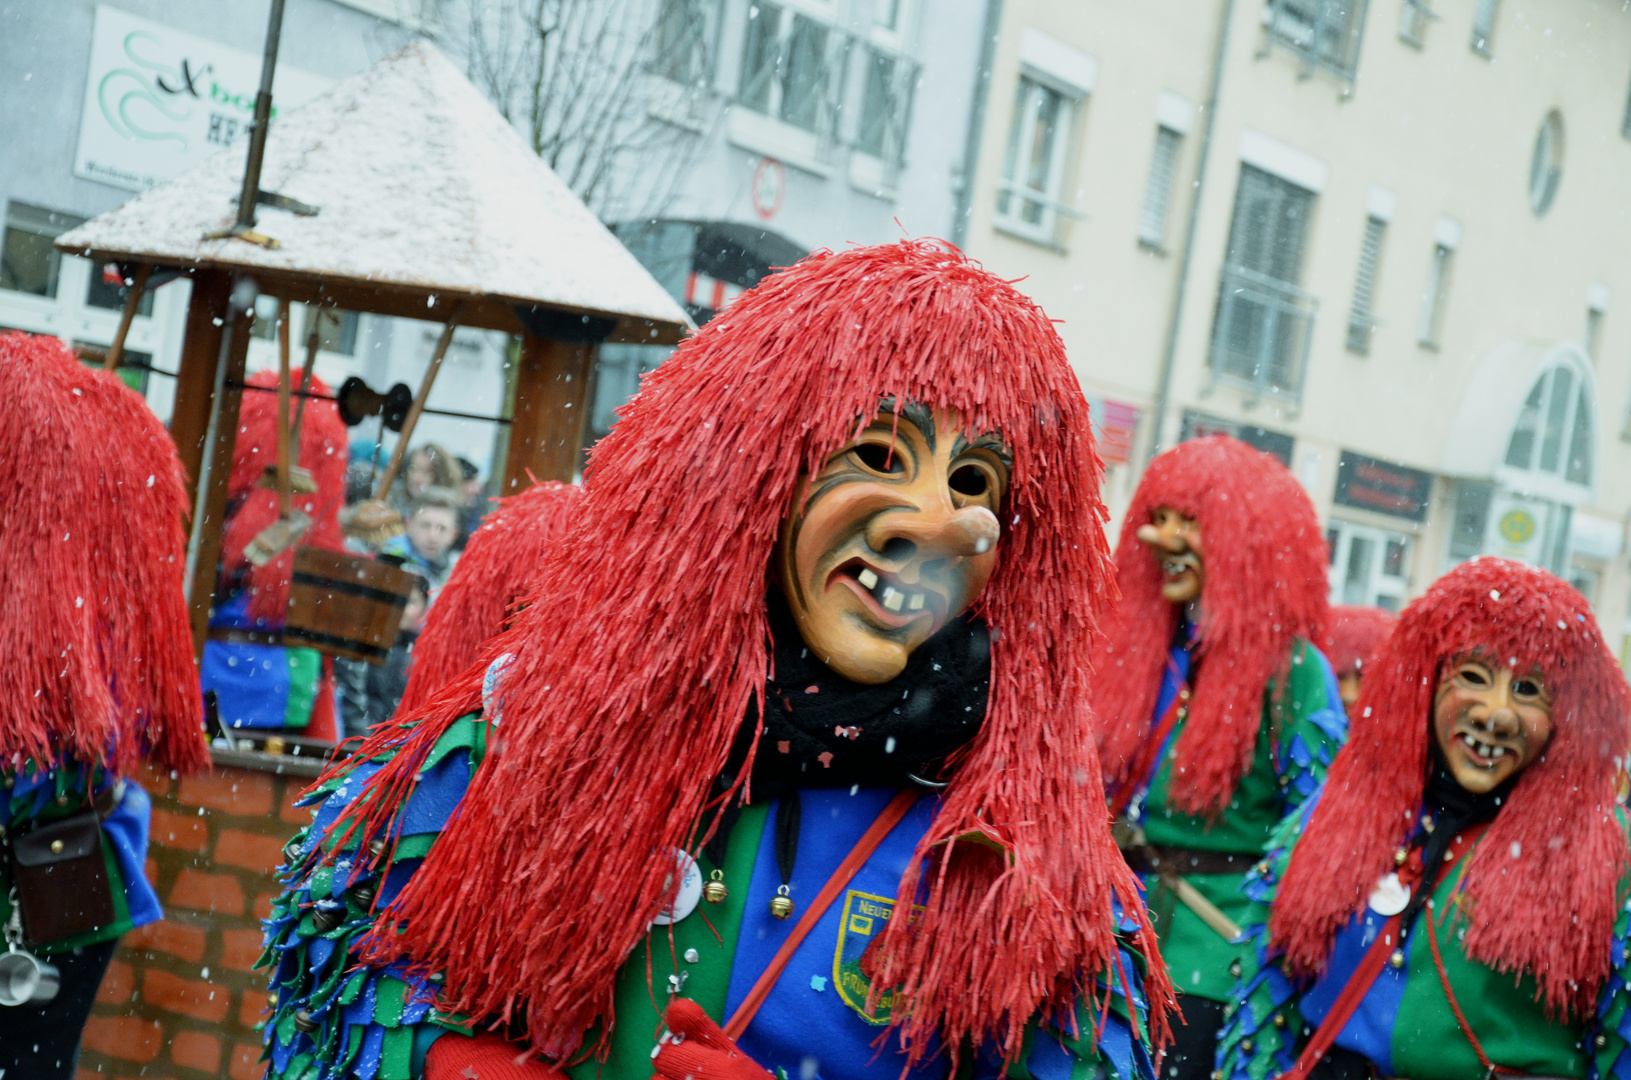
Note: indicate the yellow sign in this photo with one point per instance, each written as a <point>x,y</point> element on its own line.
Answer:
<point>1517,526</point>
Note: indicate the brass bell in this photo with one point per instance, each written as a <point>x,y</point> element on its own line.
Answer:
<point>1280,1021</point>
<point>781,905</point>
<point>714,890</point>
<point>1400,855</point>
<point>363,895</point>
<point>305,1021</point>
<point>1396,961</point>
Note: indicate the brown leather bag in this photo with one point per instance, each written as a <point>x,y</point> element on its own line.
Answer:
<point>61,879</point>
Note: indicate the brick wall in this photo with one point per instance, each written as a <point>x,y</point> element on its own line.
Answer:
<point>180,1001</point>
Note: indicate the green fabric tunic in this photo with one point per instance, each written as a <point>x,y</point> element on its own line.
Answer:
<point>1265,1028</point>
<point>1300,733</point>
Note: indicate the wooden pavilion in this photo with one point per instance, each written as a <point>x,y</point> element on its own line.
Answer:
<point>401,191</point>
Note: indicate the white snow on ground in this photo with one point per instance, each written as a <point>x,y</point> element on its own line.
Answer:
<point>420,181</point>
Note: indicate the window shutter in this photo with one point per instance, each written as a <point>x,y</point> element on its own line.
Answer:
<point>1360,315</point>
<point>1483,24</point>
<point>1152,223</point>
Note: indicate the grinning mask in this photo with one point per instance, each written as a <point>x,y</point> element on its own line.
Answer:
<point>894,536</point>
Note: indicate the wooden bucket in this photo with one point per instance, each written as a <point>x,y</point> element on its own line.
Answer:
<point>345,605</point>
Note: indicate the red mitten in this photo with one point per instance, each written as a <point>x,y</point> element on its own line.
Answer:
<point>485,1057</point>
<point>693,1048</point>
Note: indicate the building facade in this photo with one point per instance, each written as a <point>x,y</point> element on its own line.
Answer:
<point>1381,240</point>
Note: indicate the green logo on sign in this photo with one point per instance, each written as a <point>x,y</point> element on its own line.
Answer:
<point>864,919</point>
<point>1517,526</point>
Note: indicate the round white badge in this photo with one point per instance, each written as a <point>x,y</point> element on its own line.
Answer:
<point>690,891</point>
<point>1390,896</point>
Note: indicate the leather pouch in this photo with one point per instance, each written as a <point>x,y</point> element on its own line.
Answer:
<point>61,879</point>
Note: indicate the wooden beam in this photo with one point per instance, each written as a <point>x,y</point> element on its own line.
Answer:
<point>207,529</point>
<point>551,406</point>
<point>195,379</point>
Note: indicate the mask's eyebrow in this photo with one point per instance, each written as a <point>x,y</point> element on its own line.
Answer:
<point>985,440</point>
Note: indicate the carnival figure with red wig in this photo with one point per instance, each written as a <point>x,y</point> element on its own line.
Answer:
<point>1355,633</point>
<point>488,584</point>
<point>1218,715</point>
<point>794,770</point>
<point>96,672</point>
<point>1451,905</point>
<point>256,684</point>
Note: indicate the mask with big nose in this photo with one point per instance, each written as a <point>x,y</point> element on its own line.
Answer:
<point>1490,723</point>
<point>895,535</point>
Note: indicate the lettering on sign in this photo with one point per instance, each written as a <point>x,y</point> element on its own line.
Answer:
<point>1382,487</point>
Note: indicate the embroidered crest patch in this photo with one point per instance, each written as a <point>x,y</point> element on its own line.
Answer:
<point>864,918</point>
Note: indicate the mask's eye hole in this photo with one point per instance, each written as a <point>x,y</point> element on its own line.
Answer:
<point>1529,688</point>
<point>968,480</point>
<point>1473,675</point>
<point>880,457</point>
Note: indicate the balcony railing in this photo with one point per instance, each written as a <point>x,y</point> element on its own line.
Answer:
<point>1325,33</point>
<point>1263,331</point>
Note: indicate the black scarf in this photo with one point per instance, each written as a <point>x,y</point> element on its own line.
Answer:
<point>1452,809</point>
<point>822,730</point>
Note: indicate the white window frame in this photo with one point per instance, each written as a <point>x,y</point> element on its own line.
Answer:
<point>1486,13</point>
<point>1436,292</point>
<point>765,131</point>
<point>1378,588</point>
<point>1050,66</point>
<point>1414,18</point>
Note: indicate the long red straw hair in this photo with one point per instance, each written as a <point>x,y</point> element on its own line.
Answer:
<point>630,684</point>
<point>1353,635</point>
<point>96,663</point>
<point>1544,887</point>
<point>491,577</point>
<point>322,450</point>
<point>1264,585</point>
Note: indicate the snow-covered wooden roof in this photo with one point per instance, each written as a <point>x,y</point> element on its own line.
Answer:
<point>427,197</point>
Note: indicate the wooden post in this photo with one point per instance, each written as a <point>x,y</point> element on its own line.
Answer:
<point>206,561</point>
<point>195,380</point>
<point>551,408</point>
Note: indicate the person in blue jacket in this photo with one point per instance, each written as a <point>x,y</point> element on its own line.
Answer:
<point>789,770</point>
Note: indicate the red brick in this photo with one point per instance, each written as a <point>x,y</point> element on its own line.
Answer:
<point>288,811</point>
<point>129,1038</point>
<point>196,1050</point>
<point>208,892</point>
<point>246,1063</point>
<point>154,780</point>
<point>240,949</point>
<point>177,939</point>
<point>252,851</point>
<point>83,1073</point>
<point>251,1011</point>
<point>118,984</point>
<point>151,870</point>
<point>185,832</point>
<point>234,791</point>
<point>263,906</point>
<point>188,997</point>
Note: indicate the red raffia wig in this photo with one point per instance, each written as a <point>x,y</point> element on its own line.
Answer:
<point>1356,632</point>
<point>322,450</point>
<point>630,684</point>
<point>96,660</point>
<point>1544,885</point>
<point>1265,561</point>
<point>493,574</point>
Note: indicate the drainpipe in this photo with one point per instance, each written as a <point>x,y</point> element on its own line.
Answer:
<point>263,120</point>
<point>1164,386</point>
<point>976,121</point>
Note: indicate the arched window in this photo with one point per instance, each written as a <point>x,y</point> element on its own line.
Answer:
<point>1554,429</point>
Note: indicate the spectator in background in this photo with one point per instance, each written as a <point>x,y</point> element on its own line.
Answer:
<point>426,547</point>
<point>428,466</point>
<point>474,490</point>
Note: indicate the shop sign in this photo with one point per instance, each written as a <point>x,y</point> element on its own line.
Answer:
<point>1114,425</point>
<point>1382,487</point>
<point>159,101</point>
<point>1520,528</point>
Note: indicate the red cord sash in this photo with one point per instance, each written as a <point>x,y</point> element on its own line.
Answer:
<point>1142,771</point>
<point>859,854</point>
<point>1370,968</point>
